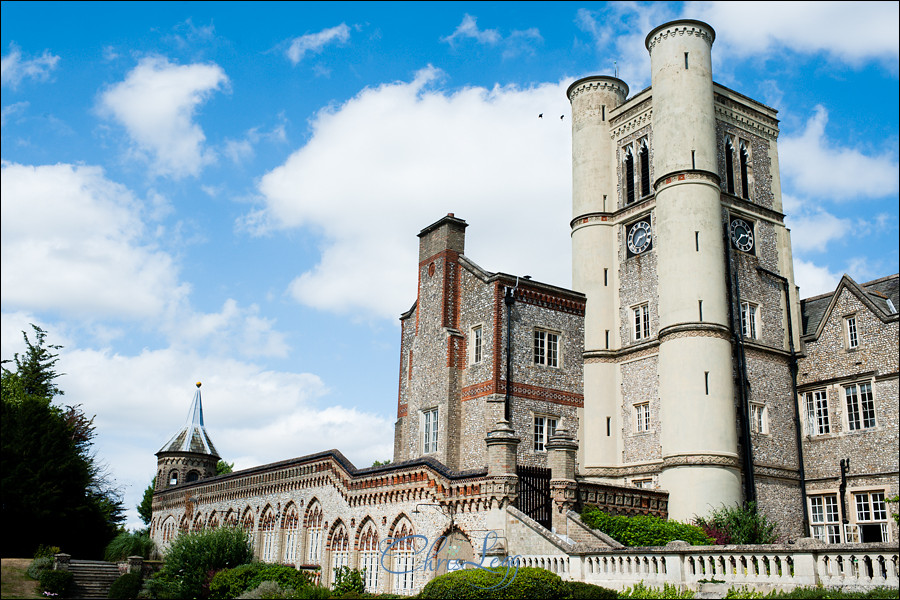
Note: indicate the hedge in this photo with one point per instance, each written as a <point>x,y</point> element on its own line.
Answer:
<point>643,530</point>
<point>498,582</point>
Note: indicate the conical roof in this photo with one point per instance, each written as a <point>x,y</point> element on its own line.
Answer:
<point>192,437</point>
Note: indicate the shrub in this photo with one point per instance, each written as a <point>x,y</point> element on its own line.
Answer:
<point>192,555</point>
<point>231,583</point>
<point>497,582</point>
<point>317,592</point>
<point>269,589</point>
<point>126,586</point>
<point>579,590</point>
<point>160,586</point>
<point>56,582</point>
<point>667,591</point>
<point>643,530</point>
<point>39,565</point>
<point>46,551</point>
<point>136,543</point>
<point>347,581</point>
<point>739,525</point>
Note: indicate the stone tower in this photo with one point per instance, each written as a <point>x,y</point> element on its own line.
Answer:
<point>679,244</point>
<point>189,455</point>
<point>695,357</point>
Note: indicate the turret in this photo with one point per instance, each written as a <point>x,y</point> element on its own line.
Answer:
<point>189,455</point>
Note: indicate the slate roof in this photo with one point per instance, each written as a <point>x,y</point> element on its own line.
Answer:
<point>883,294</point>
<point>193,436</point>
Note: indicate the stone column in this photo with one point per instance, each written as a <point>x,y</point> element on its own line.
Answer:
<point>61,561</point>
<point>502,482</point>
<point>135,564</point>
<point>562,449</point>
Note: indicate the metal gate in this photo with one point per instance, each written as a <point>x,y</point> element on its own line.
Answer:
<point>534,493</point>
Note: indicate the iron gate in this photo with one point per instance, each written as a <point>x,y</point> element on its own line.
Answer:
<point>534,494</point>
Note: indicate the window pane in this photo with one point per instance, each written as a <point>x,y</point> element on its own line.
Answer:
<point>868,405</point>
<point>852,408</point>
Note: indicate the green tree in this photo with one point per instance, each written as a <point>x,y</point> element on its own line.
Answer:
<point>223,468</point>
<point>53,489</point>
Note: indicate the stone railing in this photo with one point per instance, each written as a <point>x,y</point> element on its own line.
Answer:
<point>717,568</point>
<point>623,500</point>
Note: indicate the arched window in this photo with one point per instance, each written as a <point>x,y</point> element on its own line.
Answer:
<point>247,524</point>
<point>644,158</point>
<point>173,477</point>
<point>198,523</point>
<point>403,554</point>
<point>745,180</point>
<point>340,549</point>
<point>213,520</point>
<point>729,166</point>
<point>369,556</point>
<point>629,175</point>
<point>184,524</point>
<point>168,530</point>
<point>268,531</point>
<point>290,524</point>
<point>314,521</point>
<point>192,476</point>
<point>230,518</point>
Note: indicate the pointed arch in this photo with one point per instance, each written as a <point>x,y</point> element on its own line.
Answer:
<point>745,170</point>
<point>628,160</point>
<point>729,165</point>
<point>184,524</point>
<point>369,552</point>
<point>313,520</point>
<point>338,547</point>
<point>247,523</point>
<point>267,531</point>
<point>231,518</point>
<point>644,160</point>
<point>290,529</point>
<point>403,551</point>
<point>168,530</point>
<point>213,521</point>
<point>198,523</point>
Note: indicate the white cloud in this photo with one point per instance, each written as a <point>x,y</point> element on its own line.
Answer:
<point>239,151</point>
<point>813,164</point>
<point>12,110</point>
<point>315,42</point>
<point>14,68</point>
<point>253,415</point>
<point>237,329</point>
<point>398,157</point>
<point>813,230</point>
<point>73,241</point>
<point>468,28</point>
<point>814,279</point>
<point>849,31</point>
<point>156,105</point>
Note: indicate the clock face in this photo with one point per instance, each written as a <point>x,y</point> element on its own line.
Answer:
<point>742,235</point>
<point>639,237</point>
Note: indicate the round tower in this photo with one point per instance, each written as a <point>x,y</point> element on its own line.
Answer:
<point>594,256</point>
<point>696,385</point>
<point>189,455</point>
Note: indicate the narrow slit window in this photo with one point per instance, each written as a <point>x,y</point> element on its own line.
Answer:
<point>629,176</point>
<point>644,156</point>
<point>686,61</point>
<point>608,426</point>
<point>697,240</point>
<point>700,308</point>
<point>729,166</point>
<point>603,113</point>
<point>605,277</point>
<point>607,339</point>
<point>693,159</point>
<point>706,381</point>
<point>745,183</point>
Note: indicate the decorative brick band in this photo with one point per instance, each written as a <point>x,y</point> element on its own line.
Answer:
<point>535,298</point>
<point>522,390</point>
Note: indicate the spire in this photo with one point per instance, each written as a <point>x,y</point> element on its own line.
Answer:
<point>192,437</point>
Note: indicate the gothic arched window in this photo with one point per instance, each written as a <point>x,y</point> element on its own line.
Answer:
<point>290,524</point>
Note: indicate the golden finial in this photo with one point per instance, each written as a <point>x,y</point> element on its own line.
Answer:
<point>198,384</point>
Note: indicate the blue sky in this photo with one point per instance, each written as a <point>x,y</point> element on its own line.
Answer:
<point>231,192</point>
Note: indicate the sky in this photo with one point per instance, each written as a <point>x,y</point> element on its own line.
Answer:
<point>230,192</point>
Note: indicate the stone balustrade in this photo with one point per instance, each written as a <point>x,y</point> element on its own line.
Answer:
<point>717,568</point>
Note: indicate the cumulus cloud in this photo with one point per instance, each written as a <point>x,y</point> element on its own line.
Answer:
<point>813,230</point>
<point>253,415</point>
<point>468,28</point>
<point>813,279</point>
<point>14,68</point>
<point>156,104</point>
<point>316,42</point>
<point>851,32</point>
<point>74,242</point>
<point>398,157</point>
<point>519,41</point>
<point>814,164</point>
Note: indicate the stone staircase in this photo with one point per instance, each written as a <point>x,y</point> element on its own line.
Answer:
<point>92,578</point>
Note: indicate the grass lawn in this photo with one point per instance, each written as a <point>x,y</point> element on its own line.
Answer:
<point>14,581</point>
